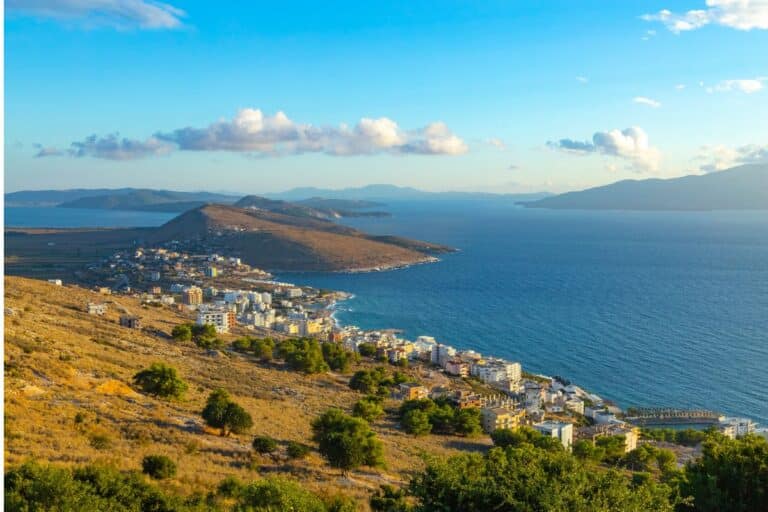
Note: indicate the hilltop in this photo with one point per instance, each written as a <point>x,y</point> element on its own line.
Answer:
<point>62,363</point>
<point>739,188</point>
<point>117,199</point>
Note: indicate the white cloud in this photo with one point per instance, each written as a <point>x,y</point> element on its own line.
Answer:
<point>737,14</point>
<point>112,147</point>
<point>122,14</point>
<point>747,86</point>
<point>630,144</point>
<point>582,79</point>
<point>717,158</point>
<point>642,100</point>
<point>251,131</point>
<point>680,87</point>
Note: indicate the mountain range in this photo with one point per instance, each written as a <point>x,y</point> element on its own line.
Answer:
<point>739,188</point>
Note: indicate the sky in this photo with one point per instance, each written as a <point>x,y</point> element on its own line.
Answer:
<point>499,96</point>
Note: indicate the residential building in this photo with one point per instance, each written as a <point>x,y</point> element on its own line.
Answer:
<point>96,309</point>
<point>192,296</point>
<point>56,282</point>
<point>560,430</point>
<point>130,321</point>
<point>294,293</point>
<point>413,391</point>
<point>631,434</point>
<point>495,418</point>
<point>221,318</point>
<point>211,272</point>
<point>738,426</point>
<point>457,367</point>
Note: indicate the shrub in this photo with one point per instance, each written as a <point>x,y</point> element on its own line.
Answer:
<point>303,355</point>
<point>369,408</point>
<point>221,412</point>
<point>297,450</point>
<point>277,494</point>
<point>230,487</point>
<point>158,467</point>
<point>161,380</point>
<point>389,499</point>
<point>100,441</point>
<point>346,442</point>
<point>182,332</point>
<point>367,349</point>
<point>416,422</point>
<point>522,436</point>
<point>337,358</point>
<point>264,445</point>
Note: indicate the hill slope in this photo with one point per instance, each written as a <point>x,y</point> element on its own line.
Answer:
<point>148,200</point>
<point>739,188</point>
<point>61,362</point>
<point>278,241</point>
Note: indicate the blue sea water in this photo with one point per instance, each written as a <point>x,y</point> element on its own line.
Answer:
<point>645,308</point>
<point>36,217</point>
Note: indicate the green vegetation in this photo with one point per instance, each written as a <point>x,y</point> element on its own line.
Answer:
<point>528,478</point>
<point>389,499</point>
<point>158,467</point>
<point>262,348</point>
<point>304,355</point>
<point>182,332</point>
<point>524,436</point>
<point>730,475</point>
<point>337,358</point>
<point>161,380</point>
<point>369,408</point>
<point>367,349</point>
<point>346,442</point>
<point>688,437</point>
<point>204,336</point>
<point>647,458</point>
<point>296,450</point>
<point>277,494</point>
<point>221,412</point>
<point>442,416</point>
<point>264,445</point>
<point>376,381</point>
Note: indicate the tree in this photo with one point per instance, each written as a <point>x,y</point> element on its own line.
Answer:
<point>182,332</point>
<point>416,422</point>
<point>367,349</point>
<point>732,474</point>
<point>304,355</point>
<point>586,450</point>
<point>364,381</point>
<point>277,494</point>
<point>369,408</point>
<point>346,442</point>
<point>529,478</point>
<point>205,336</point>
<point>337,358</point>
<point>614,447</point>
<point>524,436</point>
<point>263,349</point>
<point>264,445</point>
<point>221,412</point>
<point>158,467</point>
<point>467,422</point>
<point>389,499</point>
<point>161,380</point>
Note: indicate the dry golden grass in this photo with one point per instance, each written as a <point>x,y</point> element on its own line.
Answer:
<point>61,363</point>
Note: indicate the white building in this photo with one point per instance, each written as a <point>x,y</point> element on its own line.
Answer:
<point>739,426</point>
<point>294,293</point>
<point>559,430</point>
<point>56,282</point>
<point>441,354</point>
<point>219,317</point>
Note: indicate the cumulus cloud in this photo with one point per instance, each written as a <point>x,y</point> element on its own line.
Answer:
<point>253,132</point>
<point>737,14</point>
<point>747,86</point>
<point>717,158</point>
<point>642,100</point>
<point>630,144</point>
<point>121,14</point>
<point>43,151</point>
<point>112,147</point>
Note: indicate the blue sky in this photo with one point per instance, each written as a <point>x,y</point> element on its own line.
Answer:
<point>493,96</point>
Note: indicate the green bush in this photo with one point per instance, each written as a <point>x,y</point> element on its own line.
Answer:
<point>304,355</point>
<point>221,412</point>
<point>367,349</point>
<point>161,380</point>
<point>369,408</point>
<point>100,441</point>
<point>523,436</point>
<point>297,450</point>
<point>264,445</point>
<point>346,442</point>
<point>182,332</point>
<point>416,422</point>
<point>158,467</point>
<point>276,495</point>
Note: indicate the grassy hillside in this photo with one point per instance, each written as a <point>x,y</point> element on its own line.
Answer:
<point>69,398</point>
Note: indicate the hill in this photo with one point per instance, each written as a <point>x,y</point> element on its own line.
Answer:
<point>68,383</point>
<point>148,200</point>
<point>278,241</point>
<point>261,238</point>
<point>316,207</point>
<point>105,197</point>
<point>739,188</point>
<point>387,193</point>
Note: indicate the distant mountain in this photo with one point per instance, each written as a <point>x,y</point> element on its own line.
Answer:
<point>739,188</point>
<point>322,210</point>
<point>116,199</point>
<point>389,193</point>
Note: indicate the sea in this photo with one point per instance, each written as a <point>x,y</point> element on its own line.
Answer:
<point>643,308</point>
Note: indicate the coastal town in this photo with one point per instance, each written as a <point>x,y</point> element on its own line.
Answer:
<point>234,297</point>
